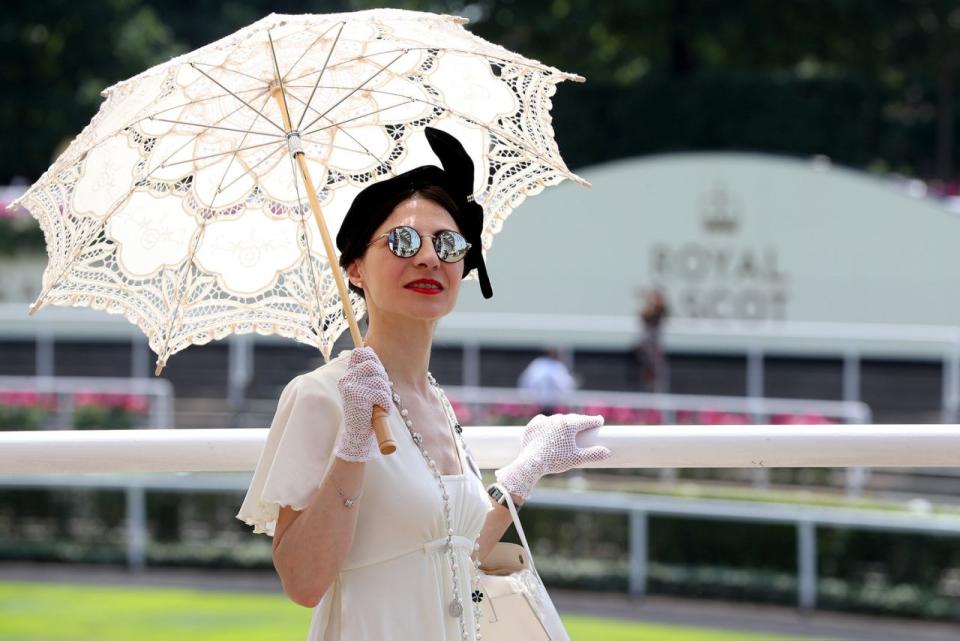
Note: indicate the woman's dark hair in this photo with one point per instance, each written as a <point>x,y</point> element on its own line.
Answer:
<point>357,247</point>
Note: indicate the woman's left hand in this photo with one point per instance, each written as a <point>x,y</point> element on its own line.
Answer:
<point>549,446</point>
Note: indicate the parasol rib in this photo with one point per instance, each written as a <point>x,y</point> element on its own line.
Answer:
<point>224,153</point>
<point>231,70</point>
<point>343,131</point>
<point>254,166</point>
<point>265,87</point>
<point>227,89</point>
<point>284,111</point>
<point>206,127</point>
<point>341,24</point>
<point>333,125</point>
<point>354,90</point>
<point>319,75</point>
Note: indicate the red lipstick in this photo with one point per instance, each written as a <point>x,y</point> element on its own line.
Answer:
<point>426,286</point>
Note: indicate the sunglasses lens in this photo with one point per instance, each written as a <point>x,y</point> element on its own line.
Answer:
<point>404,241</point>
<point>451,247</point>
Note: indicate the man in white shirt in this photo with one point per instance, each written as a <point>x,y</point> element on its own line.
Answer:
<point>548,378</point>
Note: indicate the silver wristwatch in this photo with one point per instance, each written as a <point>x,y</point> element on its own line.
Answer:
<point>498,496</point>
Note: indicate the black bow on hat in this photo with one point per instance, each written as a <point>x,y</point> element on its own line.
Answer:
<point>367,212</point>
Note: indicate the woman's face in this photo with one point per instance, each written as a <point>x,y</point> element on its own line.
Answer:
<point>390,283</point>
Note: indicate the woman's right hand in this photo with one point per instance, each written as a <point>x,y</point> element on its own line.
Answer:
<point>362,386</point>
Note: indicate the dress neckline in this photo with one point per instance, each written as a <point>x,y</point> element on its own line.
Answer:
<point>461,455</point>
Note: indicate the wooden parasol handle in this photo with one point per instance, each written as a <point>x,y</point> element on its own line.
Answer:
<point>380,425</point>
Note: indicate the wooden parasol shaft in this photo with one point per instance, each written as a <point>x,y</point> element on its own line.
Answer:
<point>380,425</point>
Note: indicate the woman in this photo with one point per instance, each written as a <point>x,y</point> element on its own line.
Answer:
<point>385,547</point>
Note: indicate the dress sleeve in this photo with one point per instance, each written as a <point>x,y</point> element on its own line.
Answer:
<point>297,452</point>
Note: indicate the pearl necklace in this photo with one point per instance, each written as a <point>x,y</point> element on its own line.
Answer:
<point>456,605</point>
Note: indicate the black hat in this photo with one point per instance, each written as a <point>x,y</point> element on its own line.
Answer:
<point>372,205</point>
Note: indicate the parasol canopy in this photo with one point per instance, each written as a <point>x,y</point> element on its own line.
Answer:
<point>181,205</point>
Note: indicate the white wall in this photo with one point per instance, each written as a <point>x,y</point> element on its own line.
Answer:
<point>729,235</point>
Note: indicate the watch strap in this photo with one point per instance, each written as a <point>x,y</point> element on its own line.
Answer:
<point>500,497</point>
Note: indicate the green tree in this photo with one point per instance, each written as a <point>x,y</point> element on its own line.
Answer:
<point>58,56</point>
<point>868,82</point>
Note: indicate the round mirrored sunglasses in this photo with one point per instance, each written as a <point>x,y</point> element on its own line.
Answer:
<point>405,242</point>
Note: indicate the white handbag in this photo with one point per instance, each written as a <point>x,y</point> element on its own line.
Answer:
<point>514,604</point>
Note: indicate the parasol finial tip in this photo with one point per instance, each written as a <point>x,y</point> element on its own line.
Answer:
<point>159,368</point>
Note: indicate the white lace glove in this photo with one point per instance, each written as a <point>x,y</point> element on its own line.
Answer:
<point>362,386</point>
<point>549,446</point>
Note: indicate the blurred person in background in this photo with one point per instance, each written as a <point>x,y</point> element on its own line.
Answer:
<point>651,361</point>
<point>548,379</point>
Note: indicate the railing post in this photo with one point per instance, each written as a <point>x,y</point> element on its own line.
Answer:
<point>240,372</point>
<point>136,527</point>
<point>806,565</point>
<point>851,376</point>
<point>856,480</point>
<point>755,372</point>
<point>755,385</point>
<point>161,409</point>
<point>66,410</point>
<point>951,383</point>
<point>856,477</point>
<point>44,354</point>
<point>139,357</point>
<point>471,364</point>
<point>638,552</point>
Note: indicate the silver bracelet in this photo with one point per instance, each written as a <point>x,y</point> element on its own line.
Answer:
<point>347,502</point>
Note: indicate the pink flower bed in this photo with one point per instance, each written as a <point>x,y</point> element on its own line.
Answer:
<point>132,403</point>
<point>519,413</point>
<point>28,399</point>
<point>802,419</point>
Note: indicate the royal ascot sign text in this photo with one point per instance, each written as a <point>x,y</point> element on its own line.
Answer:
<point>717,277</point>
<point>721,281</point>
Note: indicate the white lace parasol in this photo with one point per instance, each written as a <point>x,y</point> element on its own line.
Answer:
<point>180,205</point>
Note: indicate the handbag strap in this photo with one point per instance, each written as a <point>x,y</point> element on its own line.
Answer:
<point>516,524</point>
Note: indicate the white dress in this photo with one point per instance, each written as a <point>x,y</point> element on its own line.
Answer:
<point>396,583</point>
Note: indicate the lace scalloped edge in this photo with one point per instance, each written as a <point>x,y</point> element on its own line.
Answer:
<point>262,516</point>
<point>123,308</point>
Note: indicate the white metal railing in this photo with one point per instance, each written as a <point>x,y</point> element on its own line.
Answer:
<point>27,459</point>
<point>634,446</point>
<point>159,391</point>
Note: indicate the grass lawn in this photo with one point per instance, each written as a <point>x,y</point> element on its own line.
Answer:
<point>61,612</point>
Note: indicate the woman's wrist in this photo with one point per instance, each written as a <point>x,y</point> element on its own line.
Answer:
<point>518,477</point>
